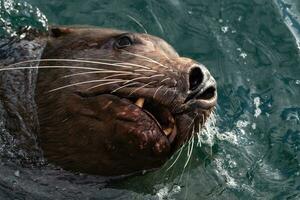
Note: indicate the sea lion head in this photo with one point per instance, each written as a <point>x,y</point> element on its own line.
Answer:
<point>112,102</point>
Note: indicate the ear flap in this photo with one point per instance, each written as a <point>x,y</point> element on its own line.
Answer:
<point>57,31</point>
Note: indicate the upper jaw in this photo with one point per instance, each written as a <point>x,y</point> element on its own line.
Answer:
<point>197,105</point>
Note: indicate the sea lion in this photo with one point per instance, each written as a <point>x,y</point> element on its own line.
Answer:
<point>112,102</point>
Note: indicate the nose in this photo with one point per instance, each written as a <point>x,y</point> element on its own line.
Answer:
<point>202,86</point>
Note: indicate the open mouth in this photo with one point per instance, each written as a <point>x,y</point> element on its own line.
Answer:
<point>155,111</point>
<point>166,121</point>
<point>162,125</point>
<point>159,114</point>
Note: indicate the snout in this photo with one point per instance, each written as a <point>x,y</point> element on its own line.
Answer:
<point>202,86</point>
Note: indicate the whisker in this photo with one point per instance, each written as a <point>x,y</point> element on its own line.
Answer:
<point>166,79</point>
<point>146,58</point>
<point>188,150</point>
<point>136,21</point>
<point>116,75</point>
<point>142,87</point>
<point>175,91</point>
<point>145,77</point>
<point>166,56</point>
<point>157,91</point>
<point>157,75</point>
<point>180,151</point>
<point>69,60</point>
<point>167,90</point>
<point>101,72</point>
<point>81,83</point>
<point>190,153</point>
<point>135,65</point>
<point>199,135</point>
<point>157,21</point>
<point>129,84</point>
<point>192,122</point>
<point>118,62</point>
<point>145,70</point>
<point>203,120</point>
<point>49,67</point>
<point>99,59</point>
<point>118,81</point>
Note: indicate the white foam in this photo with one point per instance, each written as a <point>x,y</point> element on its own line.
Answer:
<point>167,192</point>
<point>12,8</point>
<point>162,193</point>
<point>208,132</point>
<point>230,181</point>
<point>243,55</point>
<point>224,29</point>
<point>229,136</point>
<point>253,126</point>
<point>257,103</point>
<point>242,123</point>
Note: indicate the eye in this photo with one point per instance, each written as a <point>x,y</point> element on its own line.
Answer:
<point>123,41</point>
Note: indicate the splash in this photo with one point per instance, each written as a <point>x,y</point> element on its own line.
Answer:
<point>290,15</point>
<point>230,181</point>
<point>257,103</point>
<point>167,193</point>
<point>16,15</point>
<point>208,132</point>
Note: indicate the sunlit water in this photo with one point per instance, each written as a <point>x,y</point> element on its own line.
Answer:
<point>252,49</point>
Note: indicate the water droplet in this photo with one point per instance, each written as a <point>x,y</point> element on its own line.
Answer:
<point>243,55</point>
<point>257,104</point>
<point>17,173</point>
<point>242,124</point>
<point>224,29</point>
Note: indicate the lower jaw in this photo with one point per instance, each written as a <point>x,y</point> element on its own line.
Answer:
<point>179,133</point>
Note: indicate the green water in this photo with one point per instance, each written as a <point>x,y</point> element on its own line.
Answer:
<point>252,49</point>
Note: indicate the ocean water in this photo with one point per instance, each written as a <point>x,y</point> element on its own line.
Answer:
<point>249,150</point>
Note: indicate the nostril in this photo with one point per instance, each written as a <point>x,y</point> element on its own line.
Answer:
<point>195,78</point>
<point>202,86</point>
<point>207,94</point>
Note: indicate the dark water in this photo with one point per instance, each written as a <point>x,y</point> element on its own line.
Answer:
<point>252,47</point>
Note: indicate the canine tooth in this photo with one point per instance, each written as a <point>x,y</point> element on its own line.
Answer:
<point>140,102</point>
<point>168,131</point>
<point>172,119</point>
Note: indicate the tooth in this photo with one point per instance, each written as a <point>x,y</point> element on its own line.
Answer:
<point>168,131</point>
<point>140,102</point>
<point>172,120</point>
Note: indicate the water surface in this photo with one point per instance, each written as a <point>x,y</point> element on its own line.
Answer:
<point>252,49</point>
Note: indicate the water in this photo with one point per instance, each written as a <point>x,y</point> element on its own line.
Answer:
<point>252,47</point>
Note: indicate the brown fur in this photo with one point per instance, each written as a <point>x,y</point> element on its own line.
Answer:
<point>99,132</point>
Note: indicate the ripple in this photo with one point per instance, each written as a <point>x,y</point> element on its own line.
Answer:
<point>251,49</point>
